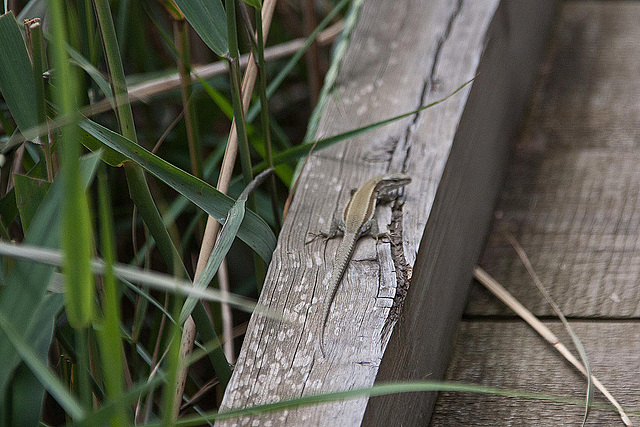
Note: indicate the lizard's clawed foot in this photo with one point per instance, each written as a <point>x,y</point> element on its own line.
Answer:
<point>386,237</point>
<point>383,236</point>
<point>315,236</point>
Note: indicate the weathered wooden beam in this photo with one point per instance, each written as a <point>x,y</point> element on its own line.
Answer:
<point>401,55</point>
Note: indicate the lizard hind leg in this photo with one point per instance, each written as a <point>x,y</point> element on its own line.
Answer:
<point>336,229</point>
<point>371,229</point>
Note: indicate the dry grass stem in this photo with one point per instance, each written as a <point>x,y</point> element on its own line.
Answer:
<point>144,91</point>
<point>227,318</point>
<point>226,170</point>
<point>547,296</point>
<point>503,295</point>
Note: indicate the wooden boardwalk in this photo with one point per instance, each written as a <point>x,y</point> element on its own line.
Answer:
<point>572,201</point>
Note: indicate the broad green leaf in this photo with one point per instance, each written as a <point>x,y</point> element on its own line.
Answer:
<point>16,76</point>
<point>27,281</point>
<point>223,244</point>
<point>109,156</point>
<point>29,195</point>
<point>180,203</point>
<point>8,208</point>
<point>209,20</point>
<point>227,235</point>
<point>253,231</point>
<point>27,393</point>
<point>254,3</point>
<point>40,369</point>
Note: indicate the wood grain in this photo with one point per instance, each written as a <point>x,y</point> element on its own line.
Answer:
<point>402,54</point>
<point>571,197</point>
<point>509,354</point>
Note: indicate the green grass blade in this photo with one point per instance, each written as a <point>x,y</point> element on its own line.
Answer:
<point>109,156</point>
<point>179,204</point>
<point>291,63</point>
<point>136,180</point>
<point>208,18</point>
<point>16,75</point>
<point>27,281</point>
<point>302,149</point>
<point>76,226</point>
<point>102,415</point>
<point>109,336</point>
<point>376,390</point>
<point>253,231</point>
<point>284,172</point>
<point>27,393</point>
<point>40,369</point>
<point>40,66</point>
<point>92,71</point>
<point>171,365</point>
<point>149,279</point>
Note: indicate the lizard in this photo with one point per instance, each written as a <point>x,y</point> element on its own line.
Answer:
<point>357,221</point>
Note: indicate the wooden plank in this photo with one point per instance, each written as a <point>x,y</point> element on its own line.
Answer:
<point>571,198</point>
<point>509,354</point>
<point>402,54</point>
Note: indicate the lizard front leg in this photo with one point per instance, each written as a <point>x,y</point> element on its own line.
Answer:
<point>336,229</point>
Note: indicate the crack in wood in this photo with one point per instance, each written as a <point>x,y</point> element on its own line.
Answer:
<point>403,269</point>
<point>431,80</point>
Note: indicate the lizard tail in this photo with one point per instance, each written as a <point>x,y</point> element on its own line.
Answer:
<point>342,259</point>
<point>325,317</point>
